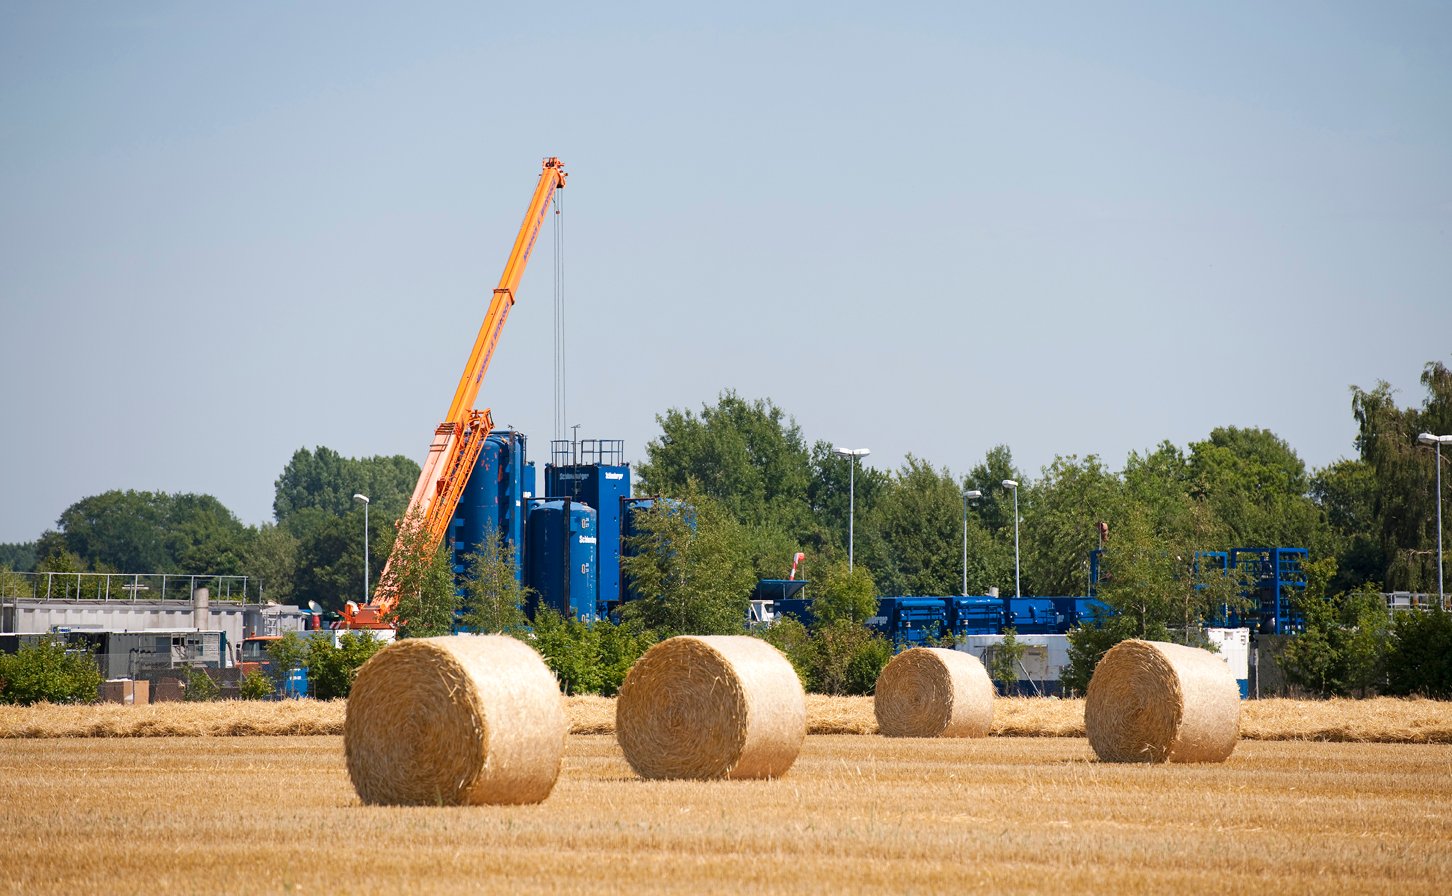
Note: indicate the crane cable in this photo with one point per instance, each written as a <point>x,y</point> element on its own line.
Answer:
<point>559,248</point>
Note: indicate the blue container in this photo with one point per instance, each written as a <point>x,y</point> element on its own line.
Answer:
<point>975,615</point>
<point>605,487</point>
<point>560,562</point>
<point>909,621</point>
<point>797,608</point>
<point>493,499</point>
<point>1033,616</point>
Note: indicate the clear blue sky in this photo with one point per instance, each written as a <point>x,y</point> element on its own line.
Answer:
<point>230,231</point>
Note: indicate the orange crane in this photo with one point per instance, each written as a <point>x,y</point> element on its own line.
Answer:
<point>458,439</point>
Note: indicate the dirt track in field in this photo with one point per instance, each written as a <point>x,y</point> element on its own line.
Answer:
<point>855,814</point>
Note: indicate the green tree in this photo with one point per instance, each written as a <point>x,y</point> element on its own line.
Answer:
<point>322,479</point>
<point>284,655</point>
<point>1343,647</point>
<point>845,593</point>
<point>47,671</point>
<point>848,658</point>
<point>271,560</point>
<point>1257,488</point>
<point>331,669</point>
<point>256,685</point>
<point>919,523</point>
<point>135,531</point>
<point>571,648</point>
<point>493,596</point>
<point>690,562</point>
<point>1060,511</point>
<point>201,687</point>
<point>19,557</point>
<point>422,578</point>
<point>747,455</point>
<point>1419,660</point>
<point>790,636</point>
<point>1403,500</point>
<point>1003,663</point>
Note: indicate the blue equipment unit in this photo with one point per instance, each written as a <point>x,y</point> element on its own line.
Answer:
<point>798,608</point>
<point>593,472</point>
<point>1280,575</point>
<point>1034,616</point>
<point>493,499</point>
<point>975,615</point>
<point>909,621</point>
<point>560,564</point>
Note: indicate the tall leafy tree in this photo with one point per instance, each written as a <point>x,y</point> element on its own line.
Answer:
<point>690,561</point>
<point>1257,487</point>
<point>1404,493</point>
<point>1062,510</point>
<point>323,479</point>
<point>919,522</point>
<point>747,455</point>
<point>493,596</point>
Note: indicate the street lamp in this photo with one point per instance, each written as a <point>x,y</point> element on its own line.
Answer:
<point>1012,486</point>
<point>1427,438</point>
<point>969,495</point>
<point>366,593</point>
<point>852,455</point>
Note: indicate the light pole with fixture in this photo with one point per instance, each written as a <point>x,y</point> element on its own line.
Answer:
<point>367,595</point>
<point>969,495</point>
<point>1012,486</point>
<point>1427,438</point>
<point>852,455</point>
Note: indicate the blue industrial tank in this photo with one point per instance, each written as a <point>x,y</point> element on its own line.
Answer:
<point>493,499</point>
<point>605,487</point>
<point>560,563</point>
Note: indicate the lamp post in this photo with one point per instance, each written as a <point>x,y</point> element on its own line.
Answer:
<point>969,495</point>
<point>1012,486</point>
<point>852,455</point>
<point>1427,438</point>
<point>366,593</point>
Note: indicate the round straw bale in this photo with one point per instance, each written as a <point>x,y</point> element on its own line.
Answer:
<point>1149,701</point>
<point>461,720</point>
<point>932,692</point>
<point>711,707</point>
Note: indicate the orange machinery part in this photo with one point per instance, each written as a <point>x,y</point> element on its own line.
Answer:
<point>459,439</point>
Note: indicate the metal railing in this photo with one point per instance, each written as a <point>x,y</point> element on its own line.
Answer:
<point>130,587</point>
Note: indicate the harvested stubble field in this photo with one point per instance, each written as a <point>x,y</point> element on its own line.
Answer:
<point>855,814</point>
<point>1382,720</point>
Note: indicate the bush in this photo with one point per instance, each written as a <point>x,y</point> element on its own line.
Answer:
<point>257,685</point>
<point>788,635</point>
<point>331,670</point>
<point>620,647</point>
<point>201,687</point>
<point>848,658</point>
<point>1420,658</point>
<point>571,648</point>
<point>47,672</point>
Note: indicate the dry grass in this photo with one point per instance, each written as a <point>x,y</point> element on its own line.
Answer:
<point>1382,720</point>
<point>855,814</point>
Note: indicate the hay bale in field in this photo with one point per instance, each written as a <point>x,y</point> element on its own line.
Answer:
<point>460,720</point>
<point>1149,701</point>
<point>724,706</point>
<point>932,692</point>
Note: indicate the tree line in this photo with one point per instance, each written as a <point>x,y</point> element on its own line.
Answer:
<point>760,492</point>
